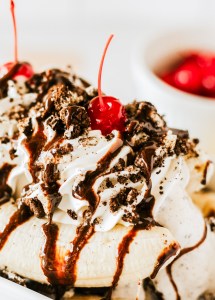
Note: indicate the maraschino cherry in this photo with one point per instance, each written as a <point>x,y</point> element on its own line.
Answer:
<point>106,112</point>
<point>194,74</point>
<point>25,69</point>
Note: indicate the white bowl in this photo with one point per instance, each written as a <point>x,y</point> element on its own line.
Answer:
<point>182,110</point>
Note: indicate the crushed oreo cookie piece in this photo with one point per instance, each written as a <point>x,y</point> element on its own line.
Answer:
<point>109,183</point>
<point>17,112</point>
<point>35,206</point>
<point>4,140</point>
<point>55,123</point>
<point>119,166</point>
<point>75,115</point>
<point>183,144</point>
<point>72,214</point>
<point>12,153</point>
<point>51,174</point>
<point>211,221</point>
<point>25,126</point>
<point>145,112</point>
<point>60,96</point>
<point>125,197</point>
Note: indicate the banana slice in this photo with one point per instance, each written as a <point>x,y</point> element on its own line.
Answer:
<point>97,263</point>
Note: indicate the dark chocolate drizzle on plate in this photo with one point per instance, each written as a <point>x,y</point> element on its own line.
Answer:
<point>183,252</point>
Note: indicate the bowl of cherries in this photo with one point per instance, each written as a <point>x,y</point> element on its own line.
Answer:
<point>176,72</point>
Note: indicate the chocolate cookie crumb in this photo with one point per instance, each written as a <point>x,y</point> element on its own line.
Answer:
<point>72,214</point>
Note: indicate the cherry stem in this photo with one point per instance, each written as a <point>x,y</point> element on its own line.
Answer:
<point>102,106</point>
<point>12,8</point>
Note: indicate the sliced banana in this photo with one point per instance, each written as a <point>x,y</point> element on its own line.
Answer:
<point>97,263</point>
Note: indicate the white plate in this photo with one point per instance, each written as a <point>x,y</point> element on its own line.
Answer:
<point>12,291</point>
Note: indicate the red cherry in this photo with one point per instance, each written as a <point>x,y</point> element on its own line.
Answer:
<point>187,77</point>
<point>168,78</point>
<point>208,85</point>
<point>25,70</point>
<point>107,119</point>
<point>208,81</point>
<point>106,112</point>
<point>195,74</point>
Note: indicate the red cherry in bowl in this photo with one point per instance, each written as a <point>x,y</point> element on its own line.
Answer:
<point>24,70</point>
<point>106,112</point>
<point>194,74</point>
<point>188,77</point>
<point>111,116</point>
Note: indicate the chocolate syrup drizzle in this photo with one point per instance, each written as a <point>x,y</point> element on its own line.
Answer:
<point>168,252</point>
<point>5,189</point>
<point>34,144</point>
<point>123,249</point>
<point>18,218</point>
<point>183,252</point>
<point>62,271</point>
<point>83,236</point>
<point>67,275</point>
<point>49,261</point>
<point>205,172</point>
<point>84,189</point>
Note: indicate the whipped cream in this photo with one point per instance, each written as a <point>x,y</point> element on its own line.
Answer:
<point>83,156</point>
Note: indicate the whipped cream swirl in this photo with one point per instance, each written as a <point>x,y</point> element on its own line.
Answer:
<point>93,178</point>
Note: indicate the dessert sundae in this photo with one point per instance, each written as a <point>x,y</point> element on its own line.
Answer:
<point>96,197</point>
<point>102,208</point>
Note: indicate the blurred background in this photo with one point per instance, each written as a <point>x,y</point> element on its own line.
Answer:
<point>61,32</point>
